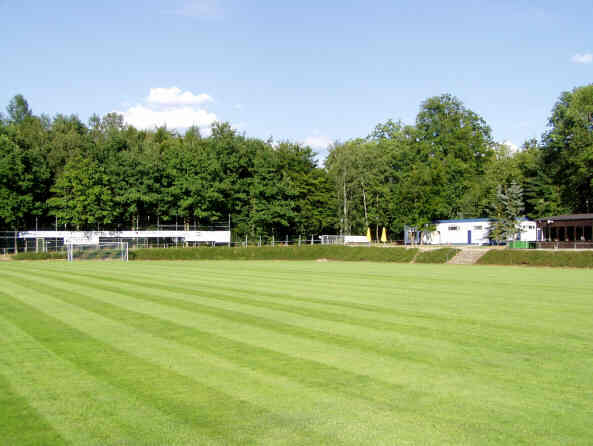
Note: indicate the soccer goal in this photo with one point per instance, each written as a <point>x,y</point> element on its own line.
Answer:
<point>100,251</point>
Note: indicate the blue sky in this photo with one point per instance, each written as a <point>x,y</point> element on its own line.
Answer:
<point>312,71</point>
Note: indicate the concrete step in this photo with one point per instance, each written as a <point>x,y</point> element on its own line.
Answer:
<point>467,256</point>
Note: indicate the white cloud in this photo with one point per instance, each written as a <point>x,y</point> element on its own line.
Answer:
<point>319,142</point>
<point>199,9</point>
<point>170,107</point>
<point>174,118</point>
<point>585,58</point>
<point>512,147</point>
<point>174,96</point>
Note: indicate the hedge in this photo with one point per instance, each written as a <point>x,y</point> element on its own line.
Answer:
<point>54,255</point>
<point>442,255</point>
<point>572,259</point>
<point>345,253</point>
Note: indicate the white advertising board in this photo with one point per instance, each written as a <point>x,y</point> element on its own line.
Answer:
<point>355,239</point>
<point>93,237</point>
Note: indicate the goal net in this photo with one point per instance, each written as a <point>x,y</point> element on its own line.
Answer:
<point>99,251</point>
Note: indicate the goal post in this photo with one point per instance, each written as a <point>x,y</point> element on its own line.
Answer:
<point>99,251</point>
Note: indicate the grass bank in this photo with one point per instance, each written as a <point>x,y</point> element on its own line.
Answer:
<point>442,255</point>
<point>344,253</point>
<point>568,259</point>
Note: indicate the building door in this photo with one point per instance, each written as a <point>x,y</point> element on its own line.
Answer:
<point>469,237</point>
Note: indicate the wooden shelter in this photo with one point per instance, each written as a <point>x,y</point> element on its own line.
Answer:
<point>566,231</point>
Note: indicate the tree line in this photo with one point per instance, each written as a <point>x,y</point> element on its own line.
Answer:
<point>107,174</point>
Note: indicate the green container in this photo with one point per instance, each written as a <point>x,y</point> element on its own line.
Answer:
<point>519,244</point>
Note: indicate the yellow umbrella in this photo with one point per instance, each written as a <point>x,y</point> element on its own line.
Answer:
<point>384,235</point>
<point>369,238</point>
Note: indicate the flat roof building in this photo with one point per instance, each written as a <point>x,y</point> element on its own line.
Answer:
<point>466,231</point>
<point>566,231</point>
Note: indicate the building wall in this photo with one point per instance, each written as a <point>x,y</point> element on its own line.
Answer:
<point>529,231</point>
<point>457,232</point>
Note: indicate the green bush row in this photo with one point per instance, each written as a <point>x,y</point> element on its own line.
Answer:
<point>442,255</point>
<point>346,253</point>
<point>573,259</point>
<point>59,255</point>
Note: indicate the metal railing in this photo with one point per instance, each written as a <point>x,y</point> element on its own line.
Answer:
<point>565,245</point>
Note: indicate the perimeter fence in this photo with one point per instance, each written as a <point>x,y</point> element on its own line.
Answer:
<point>51,238</point>
<point>11,242</point>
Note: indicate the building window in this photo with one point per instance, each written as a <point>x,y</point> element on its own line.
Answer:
<point>477,228</point>
<point>453,228</point>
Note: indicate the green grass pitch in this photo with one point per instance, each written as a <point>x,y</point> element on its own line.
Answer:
<point>272,353</point>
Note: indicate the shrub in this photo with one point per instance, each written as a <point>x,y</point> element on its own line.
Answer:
<point>442,255</point>
<point>573,259</point>
<point>345,253</point>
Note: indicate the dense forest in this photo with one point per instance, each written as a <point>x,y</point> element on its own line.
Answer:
<point>107,174</point>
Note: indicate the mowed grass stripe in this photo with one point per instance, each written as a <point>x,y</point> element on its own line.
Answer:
<point>478,337</point>
<point>147,293</point>
<point>379,393</point>
<point>251,356</point>
<point>21,424</point>
<point>424,287</point>
<point>558,417</point>
<point>80,407</point>
<point>431,288</point>
<point>411,280</point>
<point>474,308</point>
<point>476,366</point>
<point>402,354</point>
<point>470,360</point>
<point>299,406</point>
<point>429,283</point>
<point>403,286</point>
<point>421,289</point>
<point>208,411</point>
<point>246,288</point>
<point>398,351</point>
